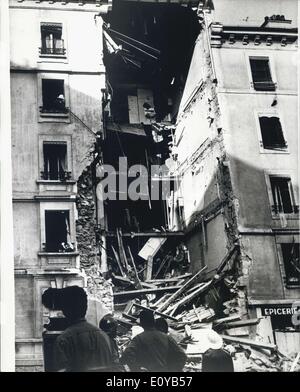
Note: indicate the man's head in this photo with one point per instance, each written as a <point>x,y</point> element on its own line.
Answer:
<point>74,302</point>
<point>161,325</point>
<point>109,325</point>
<point>147,319</point>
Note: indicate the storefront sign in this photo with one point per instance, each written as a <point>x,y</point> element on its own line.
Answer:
<point>283,316</point>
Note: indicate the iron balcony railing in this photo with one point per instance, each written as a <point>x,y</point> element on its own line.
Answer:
<point>54,108</point>
<point>59,176</point>
<point>58,247</point>
<point>280,208</point>
<point>55,47</point>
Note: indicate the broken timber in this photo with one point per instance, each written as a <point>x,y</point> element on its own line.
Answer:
<point>249,342</point>
<point>181,290</point>
<point>118,261</point>
<point>146,291</point>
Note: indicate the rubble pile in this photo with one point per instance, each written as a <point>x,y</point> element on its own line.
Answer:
<point>195,303</point>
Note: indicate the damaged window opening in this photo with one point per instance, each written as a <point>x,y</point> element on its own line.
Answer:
<point>133,106</point>
<point>53,93</point>
<point>261,75</point>
<point>271,132</point>
<point>52,42</point>
<point>55,162</point>
<point>290,254</point>
<point>282,195</point>
<point>57,225</point>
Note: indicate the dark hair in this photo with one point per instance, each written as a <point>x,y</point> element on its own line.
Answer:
<point>74,302</point>
<point>161,325</point>
<point>147,319</point>
<point>109,325</point>
<point>52,299</point>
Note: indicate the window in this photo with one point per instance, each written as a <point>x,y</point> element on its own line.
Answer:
<point>271,132</point>
<point>55,161</point>
<point>53,95</point>
<point>261,74</point>
<point>290,254</point>
<point>57,226</point>
<point>133,106</point>
<point>282,194</point>
<point>52,42</point>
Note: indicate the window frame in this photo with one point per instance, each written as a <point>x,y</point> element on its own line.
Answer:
<point>53,139</point>
<point>293,193</point>
<point>53,117</point>
<point>270,113</point>
<point>279,242</point>
<point>48,57</point>
<point>257,54</point>
<point>57,206</point>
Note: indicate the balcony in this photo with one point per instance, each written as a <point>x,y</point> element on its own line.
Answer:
<point>63,247</point>
<point>280,208</point>
<point>62,176</point>
<point>52,47</point>
<point>54,109</point>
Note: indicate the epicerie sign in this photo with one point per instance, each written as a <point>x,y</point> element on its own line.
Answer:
<point>291,313</point>
<point>279,311</point>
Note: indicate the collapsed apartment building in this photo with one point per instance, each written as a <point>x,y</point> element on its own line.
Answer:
<point>207,92</point>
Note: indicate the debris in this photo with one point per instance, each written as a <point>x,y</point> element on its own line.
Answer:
<point>181,290</point>
<point>293,367</point>
<point>145,291</point>
<point>248,342</point>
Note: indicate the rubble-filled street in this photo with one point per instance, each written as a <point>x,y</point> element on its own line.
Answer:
<point>150,158</point>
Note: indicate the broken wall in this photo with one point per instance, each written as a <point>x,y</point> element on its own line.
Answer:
<point>89,245</point>
<point>209,203</point>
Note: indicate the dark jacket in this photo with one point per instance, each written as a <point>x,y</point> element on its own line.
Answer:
<point>217,361</point>
<point>82,347</point>
<point>155,351</point>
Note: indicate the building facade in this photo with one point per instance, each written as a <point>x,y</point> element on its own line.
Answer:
<point>57,82</point>
<point>236,143</point>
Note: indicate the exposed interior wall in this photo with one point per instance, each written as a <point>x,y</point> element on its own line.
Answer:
<point>89,244</point>
<point>206,188</point>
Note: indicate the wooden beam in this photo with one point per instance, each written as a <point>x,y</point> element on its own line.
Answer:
<point>226,259</point>
<point>149,268</point>
<point>175,279</point>
<point>181,290</point>
<point>225,319</point>
<point>240,323</point>
<point>249,342</point>
<point>146,291</point>
<point>122,253</point>
<point>149,234</point>
<point>191,296</point>
<point>118,261</point>
<point>138,282</point>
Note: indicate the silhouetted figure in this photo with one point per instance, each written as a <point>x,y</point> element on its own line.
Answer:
<point>161,325</point>
<point>216,359</point>
<point>110,326</point>
<point>82,347</point>
<point>153,350</point>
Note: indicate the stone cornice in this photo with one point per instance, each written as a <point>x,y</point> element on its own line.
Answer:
<point>99,6</point>
<point>256,35</point>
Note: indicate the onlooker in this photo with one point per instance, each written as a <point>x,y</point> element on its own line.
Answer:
<point>82,347</point>
<point>153,350</point>
<point>162,325</point>
<point>110,326</point>
<point>216,359</point>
